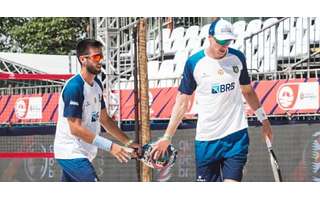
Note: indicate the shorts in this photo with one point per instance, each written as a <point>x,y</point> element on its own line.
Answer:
<point>222,159</point>
<point>77,170</point>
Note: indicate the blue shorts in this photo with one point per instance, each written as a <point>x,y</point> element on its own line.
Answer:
<point>222,159</point>
<point>77,170</point>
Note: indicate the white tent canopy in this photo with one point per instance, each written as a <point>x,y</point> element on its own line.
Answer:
<point>52,64</point>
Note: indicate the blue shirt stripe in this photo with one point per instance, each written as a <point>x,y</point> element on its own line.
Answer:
<point>244,76</point>
<point>188,83</point>
<point>73,97</point>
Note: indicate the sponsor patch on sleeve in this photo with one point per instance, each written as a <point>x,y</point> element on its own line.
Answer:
<point>74,103</point>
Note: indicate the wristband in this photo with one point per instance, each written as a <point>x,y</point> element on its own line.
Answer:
<point>261,115</point>
<point>167,137</point>
<point>102,143</point>
<point>128,143</point>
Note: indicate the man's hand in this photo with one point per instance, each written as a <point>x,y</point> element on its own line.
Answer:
<point>159,148</point>
<point>266,129</point>
<point>137,150</point>
<point>120,153</point>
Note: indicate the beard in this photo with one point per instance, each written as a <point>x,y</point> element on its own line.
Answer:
<point>93,70</point>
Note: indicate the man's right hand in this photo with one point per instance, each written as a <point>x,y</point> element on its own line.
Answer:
<point>120,153</point>
<point>159,148</point>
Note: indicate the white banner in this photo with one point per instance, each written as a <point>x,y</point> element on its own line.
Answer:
<point>28,108</point>
<point>298,96</point>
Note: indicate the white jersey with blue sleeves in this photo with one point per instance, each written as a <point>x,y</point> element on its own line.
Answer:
<point>216,83</point>
<point>80,100</point>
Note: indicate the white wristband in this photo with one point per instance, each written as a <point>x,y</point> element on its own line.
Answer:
<point>167,137</point>
<point>102,143</point>
<point>261,115</point>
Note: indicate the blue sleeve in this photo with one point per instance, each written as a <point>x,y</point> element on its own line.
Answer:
<point>103,105</point>
<point>244,78</point>
<point>188,83</point>
<point>73,100</point>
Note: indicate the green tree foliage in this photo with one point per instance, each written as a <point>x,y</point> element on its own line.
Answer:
<point>6,24</point>
<point>46,35</point>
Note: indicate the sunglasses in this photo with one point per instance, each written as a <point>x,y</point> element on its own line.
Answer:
<point>95,57</point>
<point>222,42</point>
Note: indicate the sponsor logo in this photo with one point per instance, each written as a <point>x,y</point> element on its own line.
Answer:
<point>21,108</point>
<point>235,69</point>
<point>292,96</point>
<point>94,116</point>
<point>221,88</point>
<point>286,97</point>
<point>28,108</point>
<point>204,75</point>
<point>226,30</point>
<point>39,170</point>
<point>220,72</point>
<point>201,179</point>
<point>74,103</point>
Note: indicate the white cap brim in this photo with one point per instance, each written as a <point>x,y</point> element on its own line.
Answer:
<point>225,36</point>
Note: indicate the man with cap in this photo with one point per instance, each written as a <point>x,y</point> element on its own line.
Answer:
<point>219,77</point>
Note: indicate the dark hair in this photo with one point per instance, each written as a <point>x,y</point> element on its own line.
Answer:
<point>84,45</point>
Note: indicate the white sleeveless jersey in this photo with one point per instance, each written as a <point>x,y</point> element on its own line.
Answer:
<point>216,83</point>
<point>80,100</point>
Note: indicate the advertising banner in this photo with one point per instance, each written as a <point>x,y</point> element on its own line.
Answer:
<point>28,108</point>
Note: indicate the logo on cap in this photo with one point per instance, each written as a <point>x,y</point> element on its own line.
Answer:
<point>226,30</point>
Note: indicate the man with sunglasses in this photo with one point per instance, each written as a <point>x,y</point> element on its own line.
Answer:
<point>81,112</point>
<point>219,77</point>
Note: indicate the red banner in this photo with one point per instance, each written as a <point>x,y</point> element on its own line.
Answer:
<point>7,76</point>
<point>24,108</point>
<point>278,97</point>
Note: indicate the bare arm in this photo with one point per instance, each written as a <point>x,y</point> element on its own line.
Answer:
<point>179,109</point>
<point>109,125</point>
<point>78,130</point>
<point>252,99</point>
